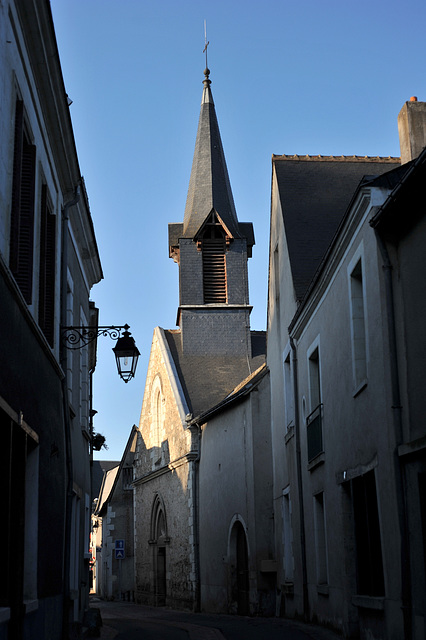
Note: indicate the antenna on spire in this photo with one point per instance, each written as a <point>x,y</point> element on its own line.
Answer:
<point>206,44</point>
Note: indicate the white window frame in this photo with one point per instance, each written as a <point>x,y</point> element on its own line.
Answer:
<point>315,346</point>
<point>287,537</point>
<point>320,531</point>
<point>359,322</point>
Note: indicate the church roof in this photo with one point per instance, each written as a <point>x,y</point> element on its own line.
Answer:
<point>315,192</point>
<point>239,393</point>
<point>209,186</point>
<point>208,379</point>
<point>105,490</point>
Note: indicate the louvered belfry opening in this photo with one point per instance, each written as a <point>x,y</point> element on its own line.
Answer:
<point>214,264</point>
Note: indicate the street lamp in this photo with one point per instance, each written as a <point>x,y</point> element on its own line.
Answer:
<point>126,356</point>
<point>125,351</point>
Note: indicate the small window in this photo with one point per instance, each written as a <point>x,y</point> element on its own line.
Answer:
<point>19,471</point>
<point>369,561</point>
<point>314,379</point>
<point>288,560</point>
<point>157,418</point>
<point>157,414</point>
<point>320,539</point>
<point>314,419</point>
<point>358,324</point>
<point>277,274</point>
<point>127,476</point>
<point>288,393</point>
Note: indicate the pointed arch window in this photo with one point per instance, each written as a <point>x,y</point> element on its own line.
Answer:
<point>157,412</point>
<point>214,263</point>
<point>158,531</point>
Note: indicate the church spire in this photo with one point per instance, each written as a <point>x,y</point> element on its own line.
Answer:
<point>211,248</point>
<point>209,187</point>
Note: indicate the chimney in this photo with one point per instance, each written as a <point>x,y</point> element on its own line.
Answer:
<point>412,129</point>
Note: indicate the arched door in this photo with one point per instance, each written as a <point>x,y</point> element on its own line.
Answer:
<point>160,574</point>
<point>159,541</point>
<point>240,573</point>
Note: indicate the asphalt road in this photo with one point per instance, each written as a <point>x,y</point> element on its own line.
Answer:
<point>128,621</point>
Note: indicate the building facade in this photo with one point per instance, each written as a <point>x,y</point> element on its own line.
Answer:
<point>348,450</point>
<point>195,414</point>
<point>48,263</point>
<point>113,520</point>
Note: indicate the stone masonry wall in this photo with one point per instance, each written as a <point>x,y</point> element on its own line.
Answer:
<point>163,473</point>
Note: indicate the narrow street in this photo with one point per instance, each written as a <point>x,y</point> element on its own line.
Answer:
<point>128,621</point>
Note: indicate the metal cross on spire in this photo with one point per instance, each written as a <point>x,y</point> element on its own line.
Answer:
<point>206,44</point>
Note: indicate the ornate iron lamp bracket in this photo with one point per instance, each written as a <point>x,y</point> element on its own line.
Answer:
<point>79,337</point>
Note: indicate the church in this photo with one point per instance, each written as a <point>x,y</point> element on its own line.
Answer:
<point>203,462</point>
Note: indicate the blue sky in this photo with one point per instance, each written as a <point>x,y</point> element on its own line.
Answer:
<point>288,77</point>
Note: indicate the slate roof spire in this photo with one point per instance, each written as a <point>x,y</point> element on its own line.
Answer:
<point>209,186</point>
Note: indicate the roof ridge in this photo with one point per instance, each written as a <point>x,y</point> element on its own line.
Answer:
<point>246,380</point>
<point>341,158</point>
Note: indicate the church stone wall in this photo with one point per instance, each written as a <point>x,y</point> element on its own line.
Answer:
<point>163,476</point>
<point>164,438</point>
<point>174,490</point>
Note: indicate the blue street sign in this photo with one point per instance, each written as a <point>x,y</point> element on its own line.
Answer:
<point>119,554</point>
<point>119,544</point>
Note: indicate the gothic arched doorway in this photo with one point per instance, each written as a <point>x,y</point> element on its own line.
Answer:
<point>159,541</point>
<point>240,587</point>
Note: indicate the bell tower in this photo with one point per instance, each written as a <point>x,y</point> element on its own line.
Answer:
<point>211,248</point>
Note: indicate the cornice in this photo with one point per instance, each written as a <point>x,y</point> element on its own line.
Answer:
<point>331,261</point>
<point>171,466</point>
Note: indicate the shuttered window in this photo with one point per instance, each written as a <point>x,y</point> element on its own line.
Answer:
<point>22,213</point>
<point>47,267</point>
<point>214,270</point>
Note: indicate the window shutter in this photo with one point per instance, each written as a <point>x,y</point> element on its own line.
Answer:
<point>16,186</point>
<point>22,216</point>
<point>47,268</point>
<point>24,276</point>
<point>214,270</point>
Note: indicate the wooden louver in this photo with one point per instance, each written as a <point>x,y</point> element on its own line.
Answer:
<point>214,270</point>
<point>22,211</point>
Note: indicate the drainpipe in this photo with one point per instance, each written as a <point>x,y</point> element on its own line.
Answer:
<point>305,597</point>
<point>68,444</point>
<point>400,479</point>
<point>195,504</point>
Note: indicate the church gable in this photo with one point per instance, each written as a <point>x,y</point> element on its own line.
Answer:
<point>162,427</point>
